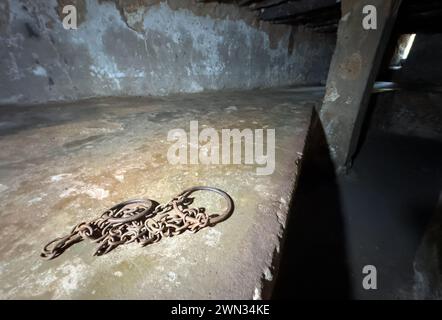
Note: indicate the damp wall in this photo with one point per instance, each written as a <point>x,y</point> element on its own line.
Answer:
<point>148,47</point>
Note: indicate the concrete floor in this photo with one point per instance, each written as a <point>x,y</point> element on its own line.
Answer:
<point>61,164</point>
<point>377,215</point>
<point>389,199</point>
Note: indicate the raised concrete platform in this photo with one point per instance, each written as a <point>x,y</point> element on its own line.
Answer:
<point>61,164</point>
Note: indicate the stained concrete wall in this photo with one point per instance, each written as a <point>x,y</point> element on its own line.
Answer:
<point>148,47</point>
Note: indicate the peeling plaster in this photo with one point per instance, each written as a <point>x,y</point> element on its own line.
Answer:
<point>150,48</point>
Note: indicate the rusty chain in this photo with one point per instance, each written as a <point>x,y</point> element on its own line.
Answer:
<point>142,221</point>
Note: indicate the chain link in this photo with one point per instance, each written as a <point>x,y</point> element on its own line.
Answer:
<point>142,221</point>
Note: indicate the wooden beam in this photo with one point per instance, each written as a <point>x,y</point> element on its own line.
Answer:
<point>289,9</point>
<point>243,3</point>
<point>421,16</point>
<point>332,14</point>
<point>325,29</point>
<point>266,4</point>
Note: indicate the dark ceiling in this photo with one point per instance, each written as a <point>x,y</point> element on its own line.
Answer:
<point>323,15</point>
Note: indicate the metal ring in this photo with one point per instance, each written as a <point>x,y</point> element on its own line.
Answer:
<point>214,218</point>
<point>147,203</point>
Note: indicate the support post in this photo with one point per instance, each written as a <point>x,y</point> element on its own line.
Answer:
<point>353,70</point>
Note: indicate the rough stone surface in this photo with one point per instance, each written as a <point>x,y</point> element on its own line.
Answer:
<point>141,48</point>
<point>65,163</point>
<point>428,262</point>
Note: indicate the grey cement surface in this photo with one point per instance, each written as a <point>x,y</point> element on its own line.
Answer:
<point>61,164</point>
<point>142,48</point>
<point>409,112</point>
<point>389,199</point>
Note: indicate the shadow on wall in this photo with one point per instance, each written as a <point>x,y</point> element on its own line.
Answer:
<point>314,261</point>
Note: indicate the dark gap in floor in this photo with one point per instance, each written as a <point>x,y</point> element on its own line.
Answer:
<point>314,262</point>
<point>376,215</point>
